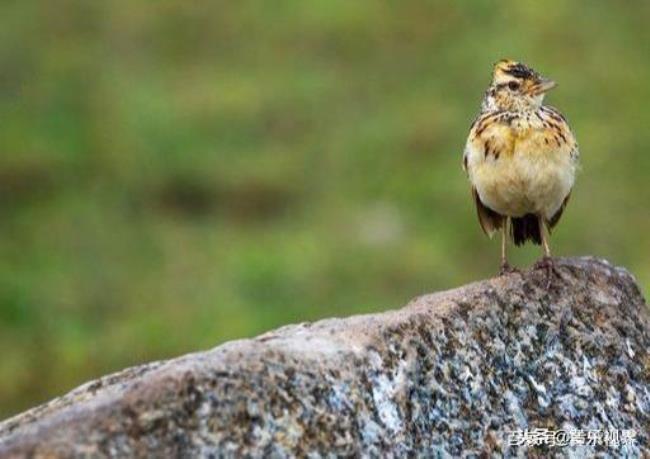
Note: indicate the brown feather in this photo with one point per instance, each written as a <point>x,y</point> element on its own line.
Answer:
<point>556,218</point>
<point>489,220</point>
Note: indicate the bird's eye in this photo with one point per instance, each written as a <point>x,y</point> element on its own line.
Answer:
<point>513,85</point>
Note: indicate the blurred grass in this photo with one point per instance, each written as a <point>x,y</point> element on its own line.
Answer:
<point>176,174</point>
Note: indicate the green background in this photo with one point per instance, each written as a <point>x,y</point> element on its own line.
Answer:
<point>174,174</point>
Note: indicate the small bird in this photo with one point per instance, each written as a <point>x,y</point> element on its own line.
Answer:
<point>521,159</point>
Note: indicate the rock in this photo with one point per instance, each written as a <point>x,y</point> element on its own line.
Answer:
<point>458,372</point>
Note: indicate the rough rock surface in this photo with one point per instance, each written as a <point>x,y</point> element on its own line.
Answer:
<point>449,374</point>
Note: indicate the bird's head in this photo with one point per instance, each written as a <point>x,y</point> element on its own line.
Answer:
<point>516,87</point>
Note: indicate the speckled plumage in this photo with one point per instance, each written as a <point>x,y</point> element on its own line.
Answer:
<point>521,157</point>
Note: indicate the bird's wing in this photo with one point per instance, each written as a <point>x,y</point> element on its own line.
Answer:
<point>479,144</point>
<point>465,155</point>
<point>556,218</point>
<point>469,145</point>
<point>561,131</point>
<point>489,220</point>
<point>567,144</point>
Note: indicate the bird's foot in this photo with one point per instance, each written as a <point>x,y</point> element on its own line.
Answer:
<point>548,264</point>
<point>506,268</point>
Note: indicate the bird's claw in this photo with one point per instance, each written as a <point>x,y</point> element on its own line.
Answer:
<point>506,268</point>
<point>548,265</point>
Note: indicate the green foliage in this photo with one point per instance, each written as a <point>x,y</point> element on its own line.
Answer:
<point>175,174</point>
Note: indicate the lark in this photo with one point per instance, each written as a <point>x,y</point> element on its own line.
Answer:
<point>521,159</point>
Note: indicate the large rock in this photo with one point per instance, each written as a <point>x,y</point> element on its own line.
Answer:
<point>453,372</point>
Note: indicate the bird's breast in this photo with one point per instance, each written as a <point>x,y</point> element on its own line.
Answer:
<point>519,169</point>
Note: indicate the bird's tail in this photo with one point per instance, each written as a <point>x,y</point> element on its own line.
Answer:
<point>526,228</point>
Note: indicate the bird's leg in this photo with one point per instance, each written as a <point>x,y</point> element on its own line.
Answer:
<point>546,262</point>
<point>504,246</point>
<point>505,266</point>
<point>544,234</point>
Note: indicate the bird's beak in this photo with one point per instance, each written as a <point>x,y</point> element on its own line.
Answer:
<point>543,85</point>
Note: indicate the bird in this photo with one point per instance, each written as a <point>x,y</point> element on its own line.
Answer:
<point>521,158</point>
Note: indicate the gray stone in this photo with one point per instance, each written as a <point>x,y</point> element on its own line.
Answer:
<point>448,375</point>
